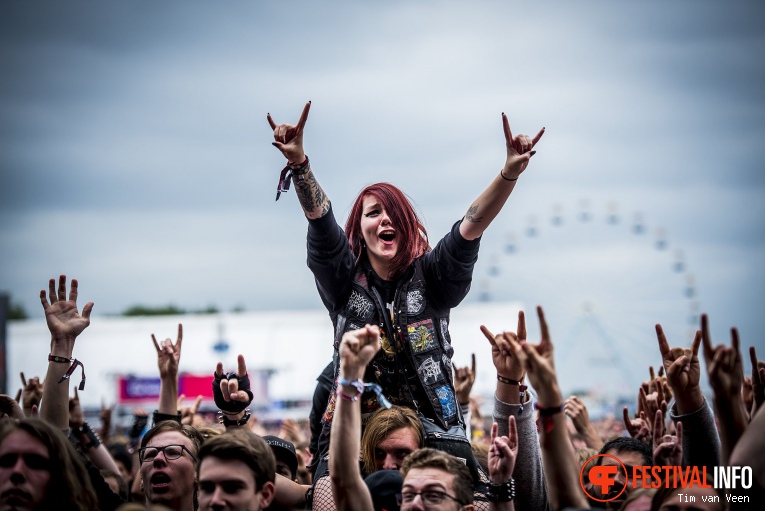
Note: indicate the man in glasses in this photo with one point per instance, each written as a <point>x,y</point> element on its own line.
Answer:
<point>168,458</point>
<point>435,480</point>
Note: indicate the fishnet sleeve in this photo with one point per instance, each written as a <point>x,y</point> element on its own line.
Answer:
<point>322,495</point>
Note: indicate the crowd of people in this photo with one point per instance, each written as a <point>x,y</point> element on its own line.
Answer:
<point>392,426</point>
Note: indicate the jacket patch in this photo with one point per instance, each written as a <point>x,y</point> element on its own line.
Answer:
<point>422,336</point>
<point>386,346</point>
<point>329,412</point>
<point>447,363</point>
<point>446,398</point>
<point>360,306</point>
<point>361,279</point>
<point>430,371</point>
<point>415,302</point>
<point>445,330</point>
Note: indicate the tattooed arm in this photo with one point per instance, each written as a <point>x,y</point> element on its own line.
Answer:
<point>313,199</point>
<point>289,140</point>
<point>488,205</point>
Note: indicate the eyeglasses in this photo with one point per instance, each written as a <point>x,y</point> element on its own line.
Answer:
<point>172,452</point>
<point>429,498</point>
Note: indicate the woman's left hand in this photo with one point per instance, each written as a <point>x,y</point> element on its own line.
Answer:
<point>519,150</point>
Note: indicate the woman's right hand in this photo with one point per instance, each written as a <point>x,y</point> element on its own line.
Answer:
<point>289,139</point>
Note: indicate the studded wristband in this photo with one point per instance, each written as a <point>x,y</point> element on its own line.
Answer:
<point>229,422</point>
<point>501,492</point>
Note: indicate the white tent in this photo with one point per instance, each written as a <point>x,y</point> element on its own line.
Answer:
<point>296,345</point>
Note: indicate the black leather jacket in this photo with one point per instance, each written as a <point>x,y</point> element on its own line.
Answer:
<point>418,328</point>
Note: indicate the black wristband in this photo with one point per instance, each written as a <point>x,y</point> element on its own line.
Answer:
<point>139,423</point>
<point>229,422</point>
<point>548,411</point>
<point>501,492</point>
<point>231,406</point>
<point>159,417</point>
<point>87,437</point>
<point>506,178</point>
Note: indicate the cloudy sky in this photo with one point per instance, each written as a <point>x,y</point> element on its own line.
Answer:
<point>136,157</point>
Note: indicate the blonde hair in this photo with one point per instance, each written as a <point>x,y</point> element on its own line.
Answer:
<point>380,425</point>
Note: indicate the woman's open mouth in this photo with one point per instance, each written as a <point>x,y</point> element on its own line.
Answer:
<point>388,236</point>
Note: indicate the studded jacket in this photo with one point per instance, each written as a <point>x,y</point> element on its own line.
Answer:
<point>414,364</point>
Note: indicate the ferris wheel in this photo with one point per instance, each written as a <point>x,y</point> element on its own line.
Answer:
<point>604,279</point>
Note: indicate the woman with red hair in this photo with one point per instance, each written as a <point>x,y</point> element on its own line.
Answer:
<point>381,270</point>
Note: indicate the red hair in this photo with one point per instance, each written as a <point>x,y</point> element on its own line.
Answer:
<point>413,240</point>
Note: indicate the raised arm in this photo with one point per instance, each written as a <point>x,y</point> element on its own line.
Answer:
<point>31,395</point>
<point>503,451</point>
<point>757,382</point>
<point>89,442</point>
<point>701,445</point>
<point>511,399</point>
<point>64,323</point>
<point>576,409</point>
<point>748,453</point>
<point>168,359</point>
<point>464,378</point>
<point>357,349</point>
<point>561,467</point>
<point>726,377</point>
<point>488,205</point>
<point>10,408</point>
<point>289,140</point>
<point>232,394</point>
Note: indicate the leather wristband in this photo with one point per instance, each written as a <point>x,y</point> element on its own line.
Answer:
<point>139,423</point>
<point>231,406</point>
<point>159,417</point>
<point>87,437</point>
<point>501,492</point>
<point>229,422</point>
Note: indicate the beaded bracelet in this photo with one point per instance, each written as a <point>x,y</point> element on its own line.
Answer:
<point>509,381</point>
